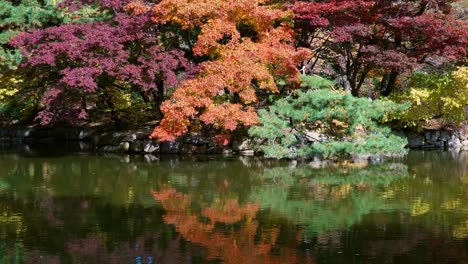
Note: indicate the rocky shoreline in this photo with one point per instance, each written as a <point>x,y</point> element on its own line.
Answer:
<point>436,139</point>
<point>100,139</point>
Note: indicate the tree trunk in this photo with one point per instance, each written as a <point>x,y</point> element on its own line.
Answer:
<point>159,96</point>
<point>114,116</point>
<point>343,80</point>
<point>387,86</point>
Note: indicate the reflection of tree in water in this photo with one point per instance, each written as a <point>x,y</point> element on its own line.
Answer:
<point>438,190</point>
<point>82,209</point>
<point>94,209</point>
<point>454,163</point>
<point>238,241</point>
<point>328,199</point>
<point>412,213</point>
<point>89,231</point>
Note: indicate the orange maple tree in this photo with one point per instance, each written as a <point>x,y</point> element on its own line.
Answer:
<point>248,44</point>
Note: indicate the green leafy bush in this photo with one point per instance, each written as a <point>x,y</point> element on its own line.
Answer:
<point>329,123</point>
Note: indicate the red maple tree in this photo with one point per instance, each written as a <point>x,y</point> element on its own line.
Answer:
<point>385,38</point>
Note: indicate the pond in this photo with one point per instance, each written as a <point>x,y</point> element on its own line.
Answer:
<point>90,208</point>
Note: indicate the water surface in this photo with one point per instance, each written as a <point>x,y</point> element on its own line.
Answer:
<point>89,208</point>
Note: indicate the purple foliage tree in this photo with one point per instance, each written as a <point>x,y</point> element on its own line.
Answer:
<point>79,60</point>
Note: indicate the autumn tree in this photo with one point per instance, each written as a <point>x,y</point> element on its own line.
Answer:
<point>442,97</point>
<point>246,46</point>
<point>97,58</point>
<point>379,38</point>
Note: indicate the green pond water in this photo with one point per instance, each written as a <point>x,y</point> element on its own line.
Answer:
<point>88,208</point>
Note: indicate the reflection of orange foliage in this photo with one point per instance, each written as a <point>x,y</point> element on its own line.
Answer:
<point>231,213</point>
<point>233,245</point>
<point>174,201</point>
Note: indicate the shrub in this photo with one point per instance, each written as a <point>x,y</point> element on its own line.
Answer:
<point>442,96</point>
<point>342,124</point>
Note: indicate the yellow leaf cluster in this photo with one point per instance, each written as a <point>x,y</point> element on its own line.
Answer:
<point>9,87</point>
<point>436,96</point>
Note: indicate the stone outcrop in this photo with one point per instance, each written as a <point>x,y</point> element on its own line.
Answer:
<point>432,139</point>
<point>102,140</point>
<point>137,141</point>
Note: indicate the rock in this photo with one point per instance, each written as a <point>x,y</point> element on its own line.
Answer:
<point>201,149</point>
<point>103,139</point>
<point>427,136</point>
<point>124,147</point>
<point>28,133</point>
<point>131,136</point>
<point>226,151</point>
<point>188,149</point>
<point>141,135</point>
<point>454,142</point>
<point>431,138</point>
<point>314,136</point>
<point>415,140</point>
<point>435,135</point>
<point>118,137</point>
<point>464,143</point>
<point>170,147</point>
<point>214,149</point>
<point>444,136</point>
<point>150,146</point>
<point>196,140</point>
<point>242,144</point>
<point>21,133</point>
<point>463,134</point>
<point>127,137</point>
<point>137,146</point>
<point>399,133</point>
<point>86,134</point>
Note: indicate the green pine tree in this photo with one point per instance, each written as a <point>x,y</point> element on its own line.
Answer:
<point>346,125</point>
